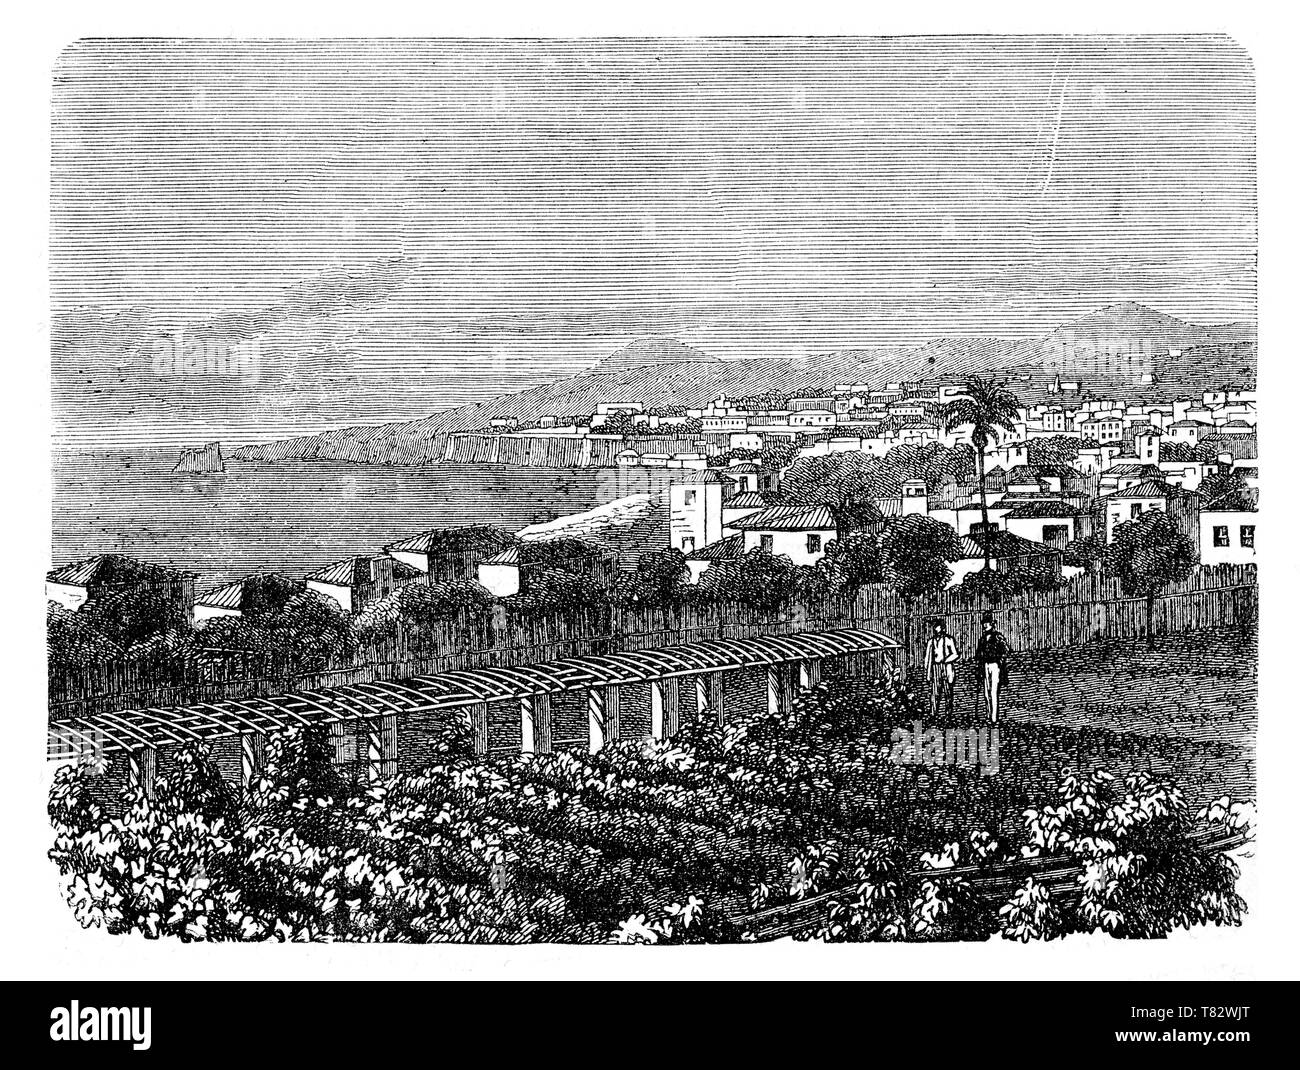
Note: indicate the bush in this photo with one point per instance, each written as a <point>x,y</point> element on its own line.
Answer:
<point>644,842</point>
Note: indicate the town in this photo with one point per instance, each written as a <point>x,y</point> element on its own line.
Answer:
<point>1057,481</point>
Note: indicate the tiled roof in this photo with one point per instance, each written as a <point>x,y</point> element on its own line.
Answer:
<point>724,549</point>
<point>346,573</point>
<point>451,539</point>
<point>508,556</point>
<point>788,518</point>
<point>1042,510</point>
<point>1123,471</point>
<point>747,499</point>
<point>111,569</point>
<point>1003,544</point>
<point>231,596</point>
<point>1149,488</point>
<point>745,468</point>
<point>808,518</point>
<point>1022,473</point>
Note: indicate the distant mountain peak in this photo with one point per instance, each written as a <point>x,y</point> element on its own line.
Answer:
<point>650,352</point>
<point>1128,316</point>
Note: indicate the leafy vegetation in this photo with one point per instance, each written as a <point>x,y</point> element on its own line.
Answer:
<point>644,842</point>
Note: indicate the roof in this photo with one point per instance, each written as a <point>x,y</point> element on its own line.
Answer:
<point>1149,488</point>
<point>450,540</point>
<point>231,596</point>
<point>788,518</point>
<point>111,569</point>
<point>696,475</point>
<point>130,730</point>
<point>349,572</point>
<point>1039,510</point>
<point>1145,429</point>
<point>745,468</point>
<point>724,549</point>
<point>1056,471</point>
<point>1122,471</point>
<point>1003,544</point>
<point>1190,423</point>
<point>746,499</point>
<point>809,517</point>
<point>1021,473</point>
<point>508,556</point>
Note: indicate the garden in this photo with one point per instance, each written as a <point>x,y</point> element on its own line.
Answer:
<point>687,840</point>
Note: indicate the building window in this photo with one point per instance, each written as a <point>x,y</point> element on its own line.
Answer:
<point>765,542</point>
<point>814,544</point>
<point>1135,510</point>
<point>1221,535</point>
<point>1056,535</point>
<point>688,546</point>
<point>690,497</point>
<point>1248,536</point>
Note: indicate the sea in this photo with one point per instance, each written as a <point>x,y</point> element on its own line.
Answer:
<point>292,516</point>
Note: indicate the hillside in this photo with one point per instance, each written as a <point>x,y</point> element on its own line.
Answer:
<point>1110,350</point>
<point>625,525</point>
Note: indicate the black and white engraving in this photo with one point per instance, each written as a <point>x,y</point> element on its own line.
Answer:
<point>653,491</point>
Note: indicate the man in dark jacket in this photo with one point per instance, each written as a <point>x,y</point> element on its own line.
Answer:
<point>991,656</point>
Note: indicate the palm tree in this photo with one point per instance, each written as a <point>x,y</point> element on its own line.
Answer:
<point>987,408</point>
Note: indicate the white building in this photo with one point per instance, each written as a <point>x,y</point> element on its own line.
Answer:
<point>1228,536</point>
<point>695,511</point>
<point>799,532</point>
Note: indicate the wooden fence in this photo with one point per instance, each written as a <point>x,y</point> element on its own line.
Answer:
<point>1084,609</point>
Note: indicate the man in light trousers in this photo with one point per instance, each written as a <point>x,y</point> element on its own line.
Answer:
<point>940,659</point>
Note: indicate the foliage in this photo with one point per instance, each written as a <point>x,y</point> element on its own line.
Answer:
<point>281,617</point>
<point>644,842</point>
<point>761,580</point>
<point>1177,451</point>
<point>1227,491</point>
<point>915,552</point>
<point>839,478</point>
<point>1053,449</point>
<point>989,409</point>
<point>1149,552</point>
<point>419,605</point>
<point>1084,553</point>
<point>851,562</point>
<point>660,579</point>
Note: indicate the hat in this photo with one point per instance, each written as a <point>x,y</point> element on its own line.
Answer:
<point>987,618</point>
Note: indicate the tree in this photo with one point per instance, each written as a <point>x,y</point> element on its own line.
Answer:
<point>660,579</point>
<point>852,562</point>
<point>915,551</point>
<point>1147,554</point>
<point>1226,490</point>
<point>988,409</point>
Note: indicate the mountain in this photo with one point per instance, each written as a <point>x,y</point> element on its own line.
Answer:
<point>1123,350</point>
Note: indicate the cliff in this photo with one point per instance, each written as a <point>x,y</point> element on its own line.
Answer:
<point>201,460</point>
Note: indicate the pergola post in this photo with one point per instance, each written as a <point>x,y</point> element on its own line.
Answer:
<point>664,695</point>
<point>478,720</point>
<point>141,768</point>
<point>708,695</point>
<point>381,747</point>
<point>810,673</point>
<point>597,718</point>
<point>252,756</point>
<point>780,688</point>
<point>535,724</point>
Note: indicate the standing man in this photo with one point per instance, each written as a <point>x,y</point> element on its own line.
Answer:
<point>991,655</point>
<point>940,657</point>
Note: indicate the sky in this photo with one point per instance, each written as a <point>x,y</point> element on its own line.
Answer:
<point>365,231</point>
